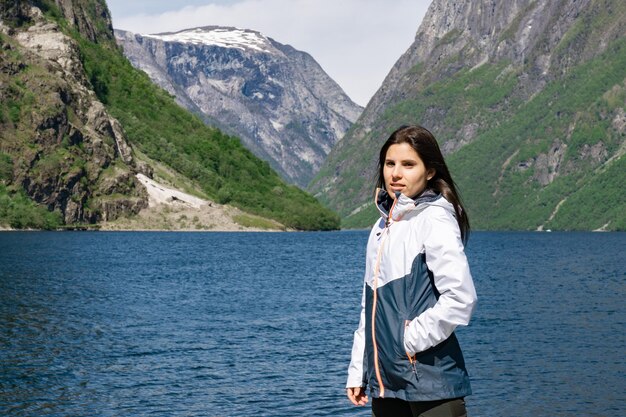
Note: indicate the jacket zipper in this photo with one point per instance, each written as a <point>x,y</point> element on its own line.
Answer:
<point>412,361</point>
<point>376,273</point>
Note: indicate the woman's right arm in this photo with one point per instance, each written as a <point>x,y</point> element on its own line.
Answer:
<point>355,370</point>
<point>355,387</point>
<point>357,379</point>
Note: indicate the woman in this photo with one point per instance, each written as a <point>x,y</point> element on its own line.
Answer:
<point>417,288</point>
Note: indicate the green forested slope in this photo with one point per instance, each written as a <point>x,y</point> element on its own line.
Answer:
<point>552,159</point>
<point>153,123</point>
<point>517,200</point>
<point>164,131</point>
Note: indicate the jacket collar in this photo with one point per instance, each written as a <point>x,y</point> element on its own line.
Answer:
<point>402,204</point>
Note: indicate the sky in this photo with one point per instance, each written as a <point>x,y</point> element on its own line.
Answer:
<point>355,41</point>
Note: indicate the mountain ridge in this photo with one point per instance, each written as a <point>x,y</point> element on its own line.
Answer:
<point>513,93</point>
<point>78,124</point>
<point>278,99</point>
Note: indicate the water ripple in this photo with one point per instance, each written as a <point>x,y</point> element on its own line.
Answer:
<point>229,324</point>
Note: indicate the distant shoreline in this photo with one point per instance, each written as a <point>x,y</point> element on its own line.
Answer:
<point>258,230</point>
<point>95,229</point>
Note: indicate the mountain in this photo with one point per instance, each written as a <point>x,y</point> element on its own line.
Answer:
<point>277,99</point>
<point>58,143</point>
<point>84,135</point>
<point>527,101</point>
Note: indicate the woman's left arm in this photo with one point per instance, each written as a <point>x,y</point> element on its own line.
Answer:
<point>445,257</point>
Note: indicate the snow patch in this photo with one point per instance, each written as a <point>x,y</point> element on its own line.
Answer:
<point>223,37</point>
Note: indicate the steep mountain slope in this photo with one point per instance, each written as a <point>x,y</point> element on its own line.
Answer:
<point>78,124</point>
<point>60,145</point>
<point>285,108</point>
<point>527,100</point>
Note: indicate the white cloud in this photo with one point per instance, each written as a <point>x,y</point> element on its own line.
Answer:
<point>355,41</point>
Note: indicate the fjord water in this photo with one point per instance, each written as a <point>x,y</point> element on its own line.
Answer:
<point>242,324</point>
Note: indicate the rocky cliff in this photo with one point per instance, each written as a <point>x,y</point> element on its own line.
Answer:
<point>64,149</point>
<point>277,99</point>
<point>79,125</point>
<point>527,100</point>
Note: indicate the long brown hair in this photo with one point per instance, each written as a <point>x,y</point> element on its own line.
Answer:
<point>424,143</point>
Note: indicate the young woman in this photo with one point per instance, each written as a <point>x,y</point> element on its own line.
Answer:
<point>417,288</point>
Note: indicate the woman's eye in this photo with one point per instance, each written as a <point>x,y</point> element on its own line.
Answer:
<point>389,164</point>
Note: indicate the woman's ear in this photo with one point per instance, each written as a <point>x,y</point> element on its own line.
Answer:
<point>431,173</point>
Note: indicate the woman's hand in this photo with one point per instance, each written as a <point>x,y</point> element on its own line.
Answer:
<point>357,395</point>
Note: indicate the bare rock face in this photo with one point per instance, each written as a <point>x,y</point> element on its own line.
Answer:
<point>520,47</point>
<point>548,165</point>
<point>68,152</point>
<point>467,34</point>
<point>277,99</point>
<point>91,18</point>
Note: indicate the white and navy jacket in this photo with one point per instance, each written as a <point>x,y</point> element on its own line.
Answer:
<point>417,290</point>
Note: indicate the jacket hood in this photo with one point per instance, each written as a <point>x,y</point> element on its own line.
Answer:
<point>403,204</point>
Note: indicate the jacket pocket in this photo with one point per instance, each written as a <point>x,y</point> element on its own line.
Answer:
<point>411,359</point>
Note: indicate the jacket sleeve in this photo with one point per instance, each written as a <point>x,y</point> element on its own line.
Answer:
<point>445,257</point>
<point>356,370</point>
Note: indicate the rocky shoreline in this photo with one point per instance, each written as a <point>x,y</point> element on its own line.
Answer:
<point>170,209</point>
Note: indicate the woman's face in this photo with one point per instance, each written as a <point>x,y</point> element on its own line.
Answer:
<point>405,171</point>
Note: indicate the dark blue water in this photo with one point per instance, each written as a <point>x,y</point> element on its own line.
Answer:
<point>236,324</point>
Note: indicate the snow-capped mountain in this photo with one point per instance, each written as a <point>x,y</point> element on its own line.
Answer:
<point>277,99</point>
<point>219,36</point>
